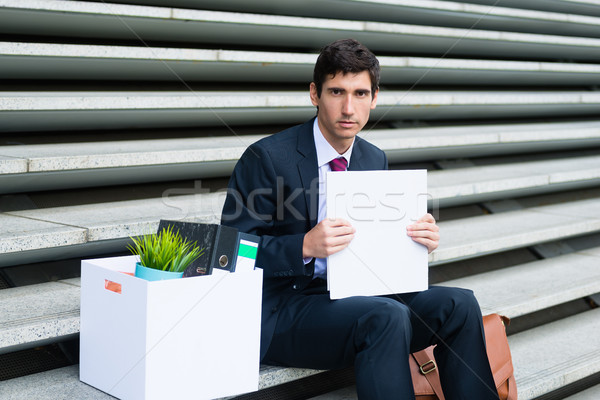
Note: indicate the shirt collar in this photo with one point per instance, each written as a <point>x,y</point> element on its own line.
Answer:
<point>325,152</point>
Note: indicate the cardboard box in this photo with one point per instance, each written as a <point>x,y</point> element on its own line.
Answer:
<point>189,338</point>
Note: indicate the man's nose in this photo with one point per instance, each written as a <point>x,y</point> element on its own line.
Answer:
<point>348,106</point>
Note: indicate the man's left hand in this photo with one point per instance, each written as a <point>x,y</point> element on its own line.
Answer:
<point>426,232</point>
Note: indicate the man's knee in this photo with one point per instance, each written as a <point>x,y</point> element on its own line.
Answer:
<point>388,319</point>
<point>465,300</point>
<point>463,305</point>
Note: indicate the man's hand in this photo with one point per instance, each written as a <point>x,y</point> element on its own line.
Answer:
<point>425,231</point>
<point>327,237</point>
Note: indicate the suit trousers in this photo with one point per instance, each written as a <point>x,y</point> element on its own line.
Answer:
<point>377,334</point>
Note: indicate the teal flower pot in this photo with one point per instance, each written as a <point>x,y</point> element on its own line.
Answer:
<point>151,274</point>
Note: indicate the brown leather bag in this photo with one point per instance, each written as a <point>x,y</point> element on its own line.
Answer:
<point>426,380</point>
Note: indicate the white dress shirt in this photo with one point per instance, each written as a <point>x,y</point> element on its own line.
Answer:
<point>325,153</point>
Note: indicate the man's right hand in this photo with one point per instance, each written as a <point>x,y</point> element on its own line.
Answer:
<point>327,237</point>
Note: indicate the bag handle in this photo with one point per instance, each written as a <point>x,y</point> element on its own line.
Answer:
<point>428,368</point>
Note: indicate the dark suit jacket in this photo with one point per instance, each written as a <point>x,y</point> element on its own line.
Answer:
<point>273,193</point>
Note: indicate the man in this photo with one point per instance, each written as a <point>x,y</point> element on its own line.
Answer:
<point>276,192</point>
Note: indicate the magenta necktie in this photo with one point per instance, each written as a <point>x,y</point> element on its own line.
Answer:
<point>338,164</point>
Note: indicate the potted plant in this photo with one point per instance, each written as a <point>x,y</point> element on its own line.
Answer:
<point>164,255</point>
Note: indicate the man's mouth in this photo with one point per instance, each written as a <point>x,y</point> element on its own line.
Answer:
<point>347,124</point>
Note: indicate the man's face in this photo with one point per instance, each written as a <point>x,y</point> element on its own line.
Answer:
<point>344,106</point>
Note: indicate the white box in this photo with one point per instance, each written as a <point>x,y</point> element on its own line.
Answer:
<point>189,338</point>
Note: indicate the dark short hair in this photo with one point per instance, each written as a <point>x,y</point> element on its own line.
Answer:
<point>345,55</point>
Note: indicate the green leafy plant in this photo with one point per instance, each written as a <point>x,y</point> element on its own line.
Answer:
<point>166,251</point>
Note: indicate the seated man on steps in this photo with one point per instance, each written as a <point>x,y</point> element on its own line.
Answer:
<point>276,192</point>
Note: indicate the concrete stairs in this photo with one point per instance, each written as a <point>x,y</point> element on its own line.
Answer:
<point>115,115</point>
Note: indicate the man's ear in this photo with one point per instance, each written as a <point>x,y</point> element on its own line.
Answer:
<point>314,98</point>
<point>374,100</point>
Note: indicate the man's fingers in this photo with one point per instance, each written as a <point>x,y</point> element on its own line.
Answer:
<point>339,239</point>
<point>432,234</point>
<point>423,226</point>
<point>336,222</point>
<point>427,218</point>
<point>425,232</point>
<point>339,229</point>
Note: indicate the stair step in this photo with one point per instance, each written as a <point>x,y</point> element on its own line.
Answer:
<point>61,383</point>
<point>534,286</point>
<point>75,231</point>
<point>202,157</point>
<point>72,61</point>
<point>63,232</point>
<point>439,13</point>
<point>44,111</point>
<point>551,356</point>
<point>97,20</point>
<point>583,7</point>
<point>69,165</point>
<point>36,314</point>
<point>25,234</point>
<point>64,383</point>
<point>537,370</point>
<point>592,393</point>
<point>527,288</point>
<point>477,184</point>
<point>480,235</point>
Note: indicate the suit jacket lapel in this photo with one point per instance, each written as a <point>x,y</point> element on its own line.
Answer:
<point>308,170</point>
<point>356,158</point>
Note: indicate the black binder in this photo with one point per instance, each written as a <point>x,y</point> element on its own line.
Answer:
<point>220,244</point>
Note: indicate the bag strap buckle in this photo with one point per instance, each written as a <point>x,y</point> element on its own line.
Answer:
<point>428,367</point>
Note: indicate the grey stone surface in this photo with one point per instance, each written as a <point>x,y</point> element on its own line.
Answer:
<point>475,236</point>
<point>554,355</point>
<point>68,61</point>
<point>464,238</point>
<point>57,101</point>
<point>58,384</point>
<point>60,166</point>
<point>273,376</point>
<point>399,144</point>
<point>584,7</point>
<point>171,24</point>
<point>79,110</point>
<point>131,218</point>
<point>475,184</point>
<point>64,384</point>
<point>37,313</point>
<point>592,393</point>
<point>537,370</point>
<point>537,285</point>
<point>12,165</point>
<point>442,13</point>
<point>23,234</point>
<point>73,156</point>
<point>84,231</point>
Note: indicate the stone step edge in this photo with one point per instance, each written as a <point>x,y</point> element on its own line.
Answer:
<point>120,154</point>
<point>67,378</point>
<point>168,54</point>
<point>99,232</point>
<point>69,101</point>
<point>67,325</point>
<point>364,27</point>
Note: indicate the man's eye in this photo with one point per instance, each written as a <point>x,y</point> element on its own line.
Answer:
<point>336,91</point>
<point>362,94</point>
